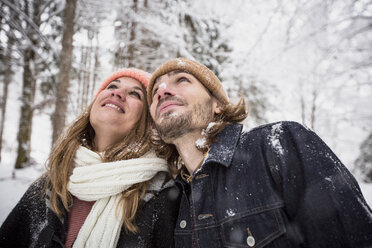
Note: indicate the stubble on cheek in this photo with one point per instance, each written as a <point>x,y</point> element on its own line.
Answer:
<point>173,125</point>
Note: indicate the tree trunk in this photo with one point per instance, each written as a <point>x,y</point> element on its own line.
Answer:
<point>28,88</point>
<point>59,117</point>
<point>132,37</point>
<point>88,69</point>
<point>313,109</point>
<point>81,76</point>
<point>7,79</point>
<point>96,65</point>
<point>1,28</point>
<point>25,122</point>
<point>86,77</point>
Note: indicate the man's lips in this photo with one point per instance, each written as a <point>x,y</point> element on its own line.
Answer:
<point>167,105</point>
<point>114,105</point>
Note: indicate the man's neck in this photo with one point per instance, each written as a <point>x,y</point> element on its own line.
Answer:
<point>186,148</point>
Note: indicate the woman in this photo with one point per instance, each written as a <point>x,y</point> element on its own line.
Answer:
<point>104,187</point>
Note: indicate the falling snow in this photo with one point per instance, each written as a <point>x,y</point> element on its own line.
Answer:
<point>230,212</point>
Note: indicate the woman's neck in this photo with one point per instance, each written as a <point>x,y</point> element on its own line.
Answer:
<point>102,142</point>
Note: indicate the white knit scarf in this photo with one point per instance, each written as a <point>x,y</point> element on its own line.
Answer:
<point>93,180</point>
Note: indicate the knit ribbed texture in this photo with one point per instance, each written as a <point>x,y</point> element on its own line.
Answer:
<point>135,73</point>
<point>201,72</point>
<point>103,182</point>
<point>76,217</point>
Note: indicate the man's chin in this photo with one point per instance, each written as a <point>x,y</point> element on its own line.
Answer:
<point>173,126</point>
<point>170,113</point>
<point>169,116</point>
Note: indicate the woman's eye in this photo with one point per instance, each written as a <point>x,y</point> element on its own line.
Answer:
<point>112,86</point>
<point>136,94</point>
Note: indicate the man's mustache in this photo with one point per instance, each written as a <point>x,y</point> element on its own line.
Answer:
<point>171,98</point>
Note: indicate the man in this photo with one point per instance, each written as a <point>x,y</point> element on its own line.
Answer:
<point>278,185</point>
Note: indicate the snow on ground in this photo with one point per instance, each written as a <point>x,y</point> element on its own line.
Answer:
<point>12,189</point>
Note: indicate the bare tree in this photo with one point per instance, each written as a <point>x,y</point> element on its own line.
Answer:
<point>126,34</point>
<point>132,37</point>
<point>7,80</point>
<point>29,84</point>
<point>7,60</point>
<point>59,117</point>
<point>80,77</point>
<point>363,163</point>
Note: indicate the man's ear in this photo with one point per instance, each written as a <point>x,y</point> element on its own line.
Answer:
<point>217,109</point>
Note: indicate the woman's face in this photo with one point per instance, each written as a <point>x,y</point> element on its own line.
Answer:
<point>118,108</point>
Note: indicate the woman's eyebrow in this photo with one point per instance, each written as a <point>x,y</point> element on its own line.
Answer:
<point>138,88</point>
<point>115,80</point>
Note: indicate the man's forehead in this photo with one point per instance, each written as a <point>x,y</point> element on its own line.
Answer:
<point>170,74</point>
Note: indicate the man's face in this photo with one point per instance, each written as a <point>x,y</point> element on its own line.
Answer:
<point>180,105</point>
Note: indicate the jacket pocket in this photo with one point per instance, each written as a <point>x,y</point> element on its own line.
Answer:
<point>255,229</point>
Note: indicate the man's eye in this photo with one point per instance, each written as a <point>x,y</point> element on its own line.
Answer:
<point>112,86</point>
<point>183,79</point>
<point>154,92</point>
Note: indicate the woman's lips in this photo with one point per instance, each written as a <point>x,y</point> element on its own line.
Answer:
<point>114,105</point>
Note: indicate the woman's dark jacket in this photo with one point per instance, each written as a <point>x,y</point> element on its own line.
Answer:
<point>33,224</point>
<point>278,185</point>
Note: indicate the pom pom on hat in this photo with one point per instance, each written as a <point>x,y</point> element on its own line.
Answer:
<point>201,72</point>
<point>140,75</point>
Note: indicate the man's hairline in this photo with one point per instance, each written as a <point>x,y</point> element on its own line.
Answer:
<point>172,73</point>
<point>177,71</point>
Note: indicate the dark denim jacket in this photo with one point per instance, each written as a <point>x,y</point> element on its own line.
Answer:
<point>278,185</point>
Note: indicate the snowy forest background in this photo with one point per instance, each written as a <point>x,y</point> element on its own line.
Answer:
<point>307,61</point>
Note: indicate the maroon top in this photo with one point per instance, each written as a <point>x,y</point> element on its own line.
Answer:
<point>76,217</point>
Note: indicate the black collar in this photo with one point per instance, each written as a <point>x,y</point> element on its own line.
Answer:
<point>223,149</point>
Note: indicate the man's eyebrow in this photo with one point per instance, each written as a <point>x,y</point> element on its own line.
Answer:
<point>175,72</point>
<point>169,74</point>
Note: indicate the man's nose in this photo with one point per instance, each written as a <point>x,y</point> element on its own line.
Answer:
<point>164,91</point>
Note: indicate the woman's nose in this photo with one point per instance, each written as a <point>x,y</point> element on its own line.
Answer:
<point>119,94</point>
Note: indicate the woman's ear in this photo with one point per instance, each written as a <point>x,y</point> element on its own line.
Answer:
<point>217,109</point>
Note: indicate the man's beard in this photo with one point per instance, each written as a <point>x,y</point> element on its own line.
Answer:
<point>174,125</point>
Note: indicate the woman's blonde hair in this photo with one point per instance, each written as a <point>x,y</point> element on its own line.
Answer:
<point>80,132</point>
<point>230,113</point>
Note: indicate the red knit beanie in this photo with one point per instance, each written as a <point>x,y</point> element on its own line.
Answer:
<point>135,73</point>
